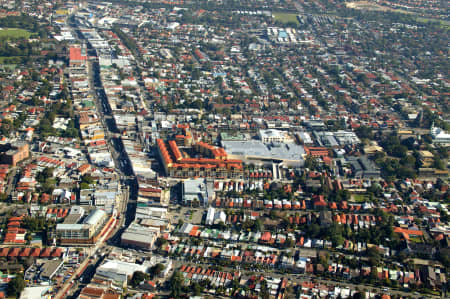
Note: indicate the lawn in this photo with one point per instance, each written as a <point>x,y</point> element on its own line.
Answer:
<point>360,197</point>
<point>285,17</point>
<point>14,33</point>
<point>444,24</point>
<point>415,239</point>
<point>2,58</point>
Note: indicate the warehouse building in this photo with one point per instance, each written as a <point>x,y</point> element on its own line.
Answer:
<point>49,269</point>
<point>139,236</point>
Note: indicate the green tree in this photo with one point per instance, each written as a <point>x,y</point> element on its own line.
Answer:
<point>197,289</point>
<point>289,243</point>
<point>137,278</point>
<point>157,269</point>
<point>438,163</point>
<point>84,185</point>
<point>176,284</point>
<point>373,255</point>
<point>44,175</point>
<point>160,242</point>
<point>264,290</point>
<point>364,132</point>
<point>6,127</point>
<point>359,295</point>
<point>15,286</point>
<point>87,178</point>
<point>311,163</point>
<point>258,226</point>
<point>3,197</point>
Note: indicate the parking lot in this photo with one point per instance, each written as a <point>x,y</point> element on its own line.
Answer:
<point>187,214</point>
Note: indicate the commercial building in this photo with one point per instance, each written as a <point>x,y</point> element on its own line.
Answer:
<point>197,190</point>
<point>257,152</point>
<point>440,136</point>
<point>272,135</point>
<point>49,269</point>
<point>139,236</point>
<point>160,224</point>
<point>107,200</point>
<point>236,136</point>
<point>336,139</point>
<point>148,195</point>
<point>362,167</point>
<point>304,137</point>
<point>315,124</point>
<point>145,212</point>
<point>77,55</point>
<point>118,271</point>
<point>82,233</point>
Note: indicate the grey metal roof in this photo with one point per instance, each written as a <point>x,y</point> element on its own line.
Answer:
<point>94,217</point>
<point>262,150</point>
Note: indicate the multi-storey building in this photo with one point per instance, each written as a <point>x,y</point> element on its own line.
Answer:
<point>215,166</point>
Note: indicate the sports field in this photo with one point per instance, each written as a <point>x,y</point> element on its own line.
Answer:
<point>14,33</point>
<point>285,17</point>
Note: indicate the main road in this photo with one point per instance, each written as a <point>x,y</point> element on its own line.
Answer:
<point>126,207</point>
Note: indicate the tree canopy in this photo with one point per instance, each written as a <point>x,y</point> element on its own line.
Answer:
<point>15,286</point>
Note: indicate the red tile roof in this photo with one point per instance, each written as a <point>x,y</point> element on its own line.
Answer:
<point>75,54</point>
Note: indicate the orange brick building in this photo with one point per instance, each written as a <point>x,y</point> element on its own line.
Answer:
<point>12,154</point>
<point>215,165</point>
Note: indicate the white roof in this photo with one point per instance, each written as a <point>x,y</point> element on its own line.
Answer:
<point>122,267</point>
<point>34,292</point>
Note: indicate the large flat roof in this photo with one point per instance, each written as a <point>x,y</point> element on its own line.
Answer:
<point>256,148</point>
<point>121,267</point>
<point>94,217</point>
<point>34,292</point>
<point>194,186</point>
<point>50,267</point>
<point>71,226</point>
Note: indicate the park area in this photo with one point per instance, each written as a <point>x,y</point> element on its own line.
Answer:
<point>285,17</point>
<point>14,33</point>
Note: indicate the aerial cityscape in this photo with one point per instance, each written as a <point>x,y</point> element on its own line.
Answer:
<point>224,149</point>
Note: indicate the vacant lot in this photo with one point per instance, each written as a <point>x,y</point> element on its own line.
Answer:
<point>365,5</point>
<point>285,17</point>
<point>370,6</point>
<point>14,33</point>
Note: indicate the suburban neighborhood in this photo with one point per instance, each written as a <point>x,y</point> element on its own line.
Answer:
<point>224,149</point>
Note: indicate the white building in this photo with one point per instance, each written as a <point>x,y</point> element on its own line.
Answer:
<point>210,216</point>
<point>214,217</point>
<point>197,190</point>
<point>118,270</point>
<point>440,136</point>
<point>273,135</point>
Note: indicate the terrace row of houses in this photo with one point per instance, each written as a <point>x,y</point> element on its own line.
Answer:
<point>35,252</point>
